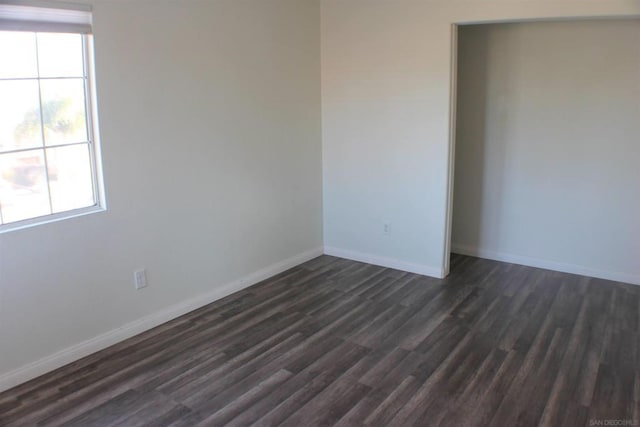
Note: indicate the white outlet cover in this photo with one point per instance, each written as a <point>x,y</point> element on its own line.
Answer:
<point>140,278</point>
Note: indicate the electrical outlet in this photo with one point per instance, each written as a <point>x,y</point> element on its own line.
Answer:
<point>386,228</point>
<point>140,278</point>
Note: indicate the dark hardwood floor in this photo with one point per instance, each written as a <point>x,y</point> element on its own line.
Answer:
<point>336,342</point>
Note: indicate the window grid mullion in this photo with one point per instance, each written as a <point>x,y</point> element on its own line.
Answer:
<point>22,150</point>
<point>40,78</point>
<point>44,151</point>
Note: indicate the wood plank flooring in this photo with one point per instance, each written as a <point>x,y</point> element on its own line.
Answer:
<point>337,342</point>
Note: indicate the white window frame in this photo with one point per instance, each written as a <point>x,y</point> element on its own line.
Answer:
<point>93,141</point>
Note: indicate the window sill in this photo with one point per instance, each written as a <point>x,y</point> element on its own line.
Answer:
<point>33,222</point>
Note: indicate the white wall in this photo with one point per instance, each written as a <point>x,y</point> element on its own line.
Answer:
<point>386,77</point>
<point>548,145</point>
<point>210,123</point>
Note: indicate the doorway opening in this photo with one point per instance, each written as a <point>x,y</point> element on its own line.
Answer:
<point>546,124</point>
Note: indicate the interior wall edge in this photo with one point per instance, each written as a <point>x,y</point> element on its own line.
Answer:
<point>78,351</point>
<point>425,270</point>
<point>545,264</point>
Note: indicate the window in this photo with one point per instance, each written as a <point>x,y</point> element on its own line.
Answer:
<point>48,153</point>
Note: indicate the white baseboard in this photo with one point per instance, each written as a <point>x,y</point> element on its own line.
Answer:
<point>546,264</point>
<point>425,270</point>
<point>85,348</point>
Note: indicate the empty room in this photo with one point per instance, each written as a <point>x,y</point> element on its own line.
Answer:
<point>319,212</point>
